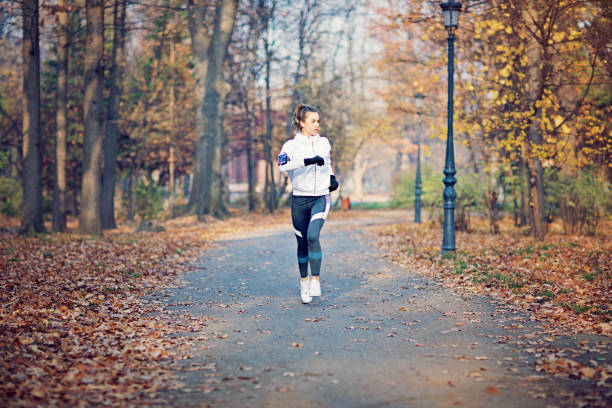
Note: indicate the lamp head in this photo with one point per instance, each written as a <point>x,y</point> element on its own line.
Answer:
<point>419,101</point>
<point>451,10</point>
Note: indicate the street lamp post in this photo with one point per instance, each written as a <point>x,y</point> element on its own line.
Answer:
<point>450,11</point>
<point>419,100</point>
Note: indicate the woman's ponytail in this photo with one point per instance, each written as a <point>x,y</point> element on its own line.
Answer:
<point>300,114</point>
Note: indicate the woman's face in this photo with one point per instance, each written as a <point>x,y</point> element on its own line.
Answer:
<point>310,124</point>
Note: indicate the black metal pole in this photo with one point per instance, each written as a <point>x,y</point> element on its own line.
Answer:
<point>449,195</point>
<point>417,184</point>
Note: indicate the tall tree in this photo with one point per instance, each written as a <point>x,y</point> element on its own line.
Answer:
<point>244,68</point>
<point>553,68</point>
<point>308,37</point>
<point>200,42</point>
<point>91,188</point>
<point>61,115</point>
<point>266,11</point>
<point>32,156</point>
<point>524,83</point>
<point>206,194</point>
<point>112,116</point>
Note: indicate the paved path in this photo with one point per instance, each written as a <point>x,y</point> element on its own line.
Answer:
<point>379,336</point>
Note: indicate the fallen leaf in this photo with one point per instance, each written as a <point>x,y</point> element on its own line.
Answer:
<point>492,390</point>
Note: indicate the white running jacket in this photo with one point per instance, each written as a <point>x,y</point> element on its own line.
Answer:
<point>312,180</point>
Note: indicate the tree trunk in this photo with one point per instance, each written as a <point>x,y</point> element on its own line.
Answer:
<point>130,193</point>
<point>220,192</point>
<point>537,215</point>
<point>59,190</point>
<point>171,159</point>
<point>250,153</point>
<point>90,220</point>
<point>270,187</point>
<point>31,220</point>
<point>112,129</point>
<point>200,43</point>
<point>493,208</point>
<point>524,199</point>
<point>206,195</point>
<point>357,174</point>
<point>536,80</point>
<point>266,12</point>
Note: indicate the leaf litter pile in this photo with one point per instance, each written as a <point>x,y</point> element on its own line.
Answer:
<point>76,327</point>
<point>564,282</point>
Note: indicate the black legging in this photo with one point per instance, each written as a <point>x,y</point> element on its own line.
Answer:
<point>308,215</point>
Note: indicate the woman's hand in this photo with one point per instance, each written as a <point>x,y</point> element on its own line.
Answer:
<point>333,183</point>
<point>318,160</point>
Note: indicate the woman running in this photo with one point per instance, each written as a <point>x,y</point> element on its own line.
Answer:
<point>307,159</point>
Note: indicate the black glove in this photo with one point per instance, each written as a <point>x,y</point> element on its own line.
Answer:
<point>333,184</point>
<point>318,160</point>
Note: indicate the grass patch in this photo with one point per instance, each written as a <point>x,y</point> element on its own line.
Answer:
<point>578,309</point>
<point>7,250</point>
<point>547,294</point>
<point>460,266</point>
<point>481,279</point>
<point>589,277</point>
<point>516,284</point>
<point>545,247</point>
<point>525,251</point>
<point>370,206</point>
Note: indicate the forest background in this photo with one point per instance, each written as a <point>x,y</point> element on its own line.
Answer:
<point>116,113</point>
<point>132,110</point>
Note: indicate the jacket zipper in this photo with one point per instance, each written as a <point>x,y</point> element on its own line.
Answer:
<point>315,168</point>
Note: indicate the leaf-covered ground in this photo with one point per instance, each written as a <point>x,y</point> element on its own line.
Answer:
<point>76,327</point>
<point>565,281</point>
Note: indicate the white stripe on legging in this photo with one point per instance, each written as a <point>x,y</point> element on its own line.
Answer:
<point>298,233</point>
<point>322,215</point>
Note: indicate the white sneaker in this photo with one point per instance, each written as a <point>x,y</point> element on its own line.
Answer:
<point>305,291</point>
<point>315,288</point>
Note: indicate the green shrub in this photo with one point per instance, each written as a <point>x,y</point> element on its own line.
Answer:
<point>11,194</point>
<point>431,189</point>
<point>583,200</point>
<point>470,193</point>
<point>148,203</point>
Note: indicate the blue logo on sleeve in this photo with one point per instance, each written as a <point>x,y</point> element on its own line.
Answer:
<point>282,159</point>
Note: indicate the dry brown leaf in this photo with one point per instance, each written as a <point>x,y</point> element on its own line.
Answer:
<point>492,390</point>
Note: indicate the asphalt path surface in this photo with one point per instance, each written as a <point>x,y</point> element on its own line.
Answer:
<point>380,336</point>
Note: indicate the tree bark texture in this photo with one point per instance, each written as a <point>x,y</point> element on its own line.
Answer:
<point>536,82</point>
<point>171,158</point>
<point>270,187</point>
<point>250,153</point>
<point>61,115</point>
<point>31,220</point>
<point>112,116</point>
<point>206,197</point>
<point>200,42</point>
<point>90,220</point>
